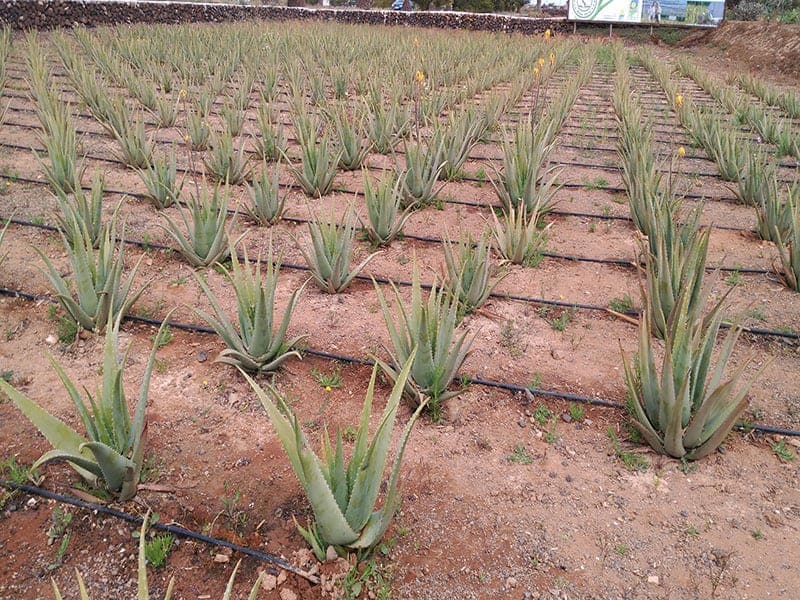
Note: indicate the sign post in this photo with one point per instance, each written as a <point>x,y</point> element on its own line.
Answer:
<point>705,13</point>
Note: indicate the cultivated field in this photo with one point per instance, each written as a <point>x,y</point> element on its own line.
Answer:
<point>557,193</point>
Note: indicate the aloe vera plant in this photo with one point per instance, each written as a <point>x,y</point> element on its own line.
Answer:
<point>350,137</point>
<point>113,449</point>
<point>272,143</point>
<point>79,214</point>
<point>385,216</point>
<point>331,252</point>
<point>687,410</point>
<point>136,148</point>
<point>101,295</point>
<point>63,168</point>
<point>197,130</point>
<point>469,271</point>
<point>343,495</point>
<point>206,239</point>
<point>423,165</point>
<point>675,260</point>
<point>259,344</point>
<point>267,204</point>
<point>224,163</point>
<point>518,238</point>
<point>525,178</point>
<point>161,180</point>
<point>143,588</point>
<point>430,329</point>
<point>789,247</point>
<point>318,166</point>
<point>459,135</point>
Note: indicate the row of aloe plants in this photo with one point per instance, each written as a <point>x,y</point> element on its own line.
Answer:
<point>756,177</point>
<point>778,132</point>
<point>686,407</point>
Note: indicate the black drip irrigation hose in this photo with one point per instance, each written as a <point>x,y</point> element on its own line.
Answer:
<point>617,262</point>
<point>172,529</point>
<point>454,201</point>
<point>428,286</point>
<point>343,358</point>
<point>565,185</point>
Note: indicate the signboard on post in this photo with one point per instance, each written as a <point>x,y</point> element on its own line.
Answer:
<point>686,12</point>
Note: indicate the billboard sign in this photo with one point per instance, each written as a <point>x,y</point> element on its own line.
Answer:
<point>687,12</point>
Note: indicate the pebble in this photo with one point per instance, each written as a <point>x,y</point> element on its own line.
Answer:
<point>566,418</point>
<point>221,558</point>
<point>50,340</point>
<point>511,582</point>
<point>521,423</point>
<point>269,583</point>
<point>330,554</point>
<point>288,594</point>
<point>653,579</point>
<point>202,356</point>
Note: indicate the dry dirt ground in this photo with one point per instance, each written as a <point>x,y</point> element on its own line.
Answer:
<point>560,517</point>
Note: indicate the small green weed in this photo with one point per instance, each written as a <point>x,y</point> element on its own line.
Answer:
<point>67,330</point>
<point>576,411</point>
<point>542,415</point>
<point>633,461</point>
<point>757,534</point>
<point>329,381</point>
<point>558,320</point>
<point>757,314</point>
<point>783,452</point>
<point>734,278</point>
<point>520,455</point>
<point>58,531</point>
<point>621,305</point>
<point>157,548</point>
<point>597,183</point>
<point>536,382</point>
<point>163,339</point>
<point>369,577</point>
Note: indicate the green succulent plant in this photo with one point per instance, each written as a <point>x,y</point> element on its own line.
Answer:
<point>469,271</point>
<point>160,177</point>
<point>526,179</point>
<point>331,252</point>
<point>113,449</point>
<point>430,329</point>
<point>343,495</point>
<point>80,214</point>
<point>258,344</point>
<point>385,216</point>
<point>267,204</point>
<point>101,293</point>
<point>518,238</point>
<point>206,240</point>
<point>687,410</point>
<point>318,165</point>
<point>675,260</point>
<point>789,247</point>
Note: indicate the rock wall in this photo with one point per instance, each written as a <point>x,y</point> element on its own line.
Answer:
<point>49,14</point>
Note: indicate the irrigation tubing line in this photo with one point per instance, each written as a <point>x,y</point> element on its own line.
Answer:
<point>617,262</point>
<point>343,358</point>
<point>173,529</point>
<point>485,205</point>
<point>400,283</point>
<point>566,185</point>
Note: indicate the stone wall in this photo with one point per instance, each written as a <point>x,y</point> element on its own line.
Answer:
<point>49,14</point>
